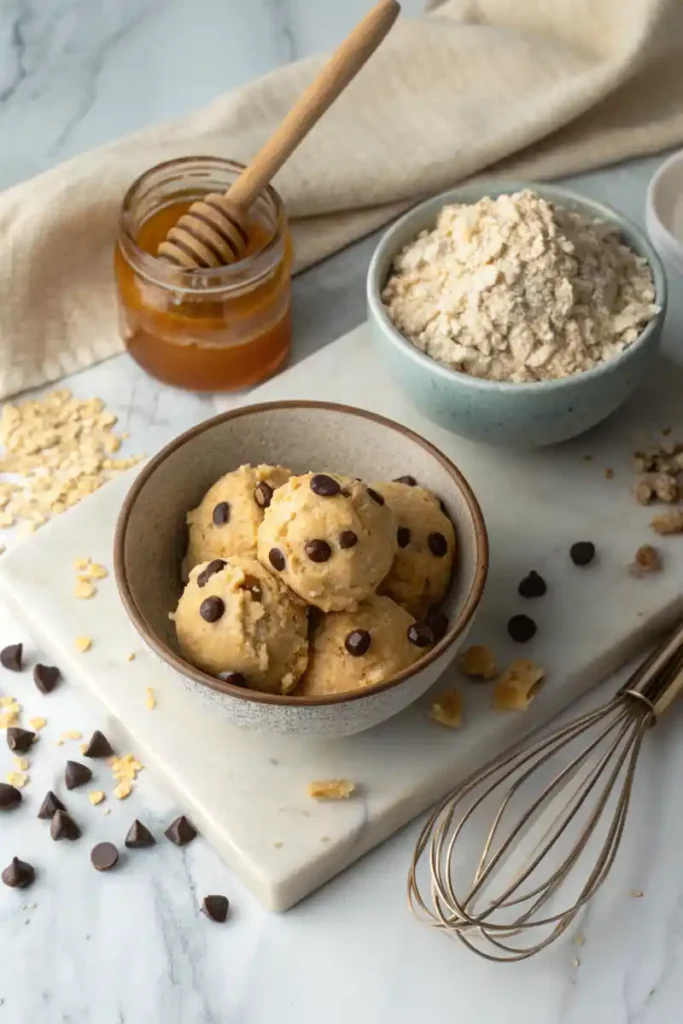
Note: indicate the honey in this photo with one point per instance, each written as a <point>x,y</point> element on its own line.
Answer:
<point>205,330</point>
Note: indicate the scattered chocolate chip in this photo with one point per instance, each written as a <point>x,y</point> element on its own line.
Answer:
<point>216,908</point>
<point>403,536</point>
<point>263,494</point>
<point>438,623</point>
<point>212,608</point>
<point>438,545</point>
<point>521,628</point>
<point>181,831</point>
<point>420,634</point>
<point>76,774</point>
<point>375,496</point>
<point>582,553</point>
<point>357,642</point>
<point>18,874</point>
<point>64,827</point>
<point>104,856</point>
<point>234,678</point>
<point>99,746</point>
<point>139,836</point>
<point>347,539</point>
<point>276,559</point>
<point>10,797</point>
<point>10,657</point>
<point>19,740</point>
<point>318,550</point>
<point>533,585</point>
<point>46,677</point>
<point>409,481</point>
<point>210,570</point>
<point>49,807</point>
<point>221,513</point>
<point>253,585</point>
<point>325,486</point>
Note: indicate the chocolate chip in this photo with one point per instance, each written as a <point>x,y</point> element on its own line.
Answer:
<point>18,874</point>
<point>357,642</point>
<point>181,831</point>
<point>10,657</point>
<point>64,827</point>
<point>420,634</point>
<point>276,559</point>
<point>234,678</point>
<point>99,746</point>
<point>76,774</point>
<point>263,494</point>
<point>347,539</point>
<point>212,608</point>
<point>46,677</point>
<point>438,623</point>
<point>532,585</point>
<point>582,553</point>
<point>49,807</point>
<point>409,481</point>
<point>318,550</point>
<point>216,908</point>
<point>139,836</point>
<point>104,856</point>
<point>375,496</point>
<point>403,536</point>
<point>438,545</point>
<point>521,628</point>
<point>210,570</point>
<point>221,513</point>
<point>253,585</point>
<point>10,797</point>
<point>19,740</point>
<point>325,486</point>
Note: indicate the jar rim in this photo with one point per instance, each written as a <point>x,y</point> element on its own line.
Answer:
<point>206,280</point>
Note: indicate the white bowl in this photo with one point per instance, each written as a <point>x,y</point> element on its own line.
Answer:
<point>150,540</point>
<point>664,211</point>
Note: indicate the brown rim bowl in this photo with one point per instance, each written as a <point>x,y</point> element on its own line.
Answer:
<point>150,535</point>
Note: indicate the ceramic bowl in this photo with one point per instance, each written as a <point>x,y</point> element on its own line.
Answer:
<point>151,537</point>
<point>664,211</point>
<point>506,414</point>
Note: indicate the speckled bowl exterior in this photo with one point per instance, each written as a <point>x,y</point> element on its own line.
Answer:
<point>512,415</point>
<point>151,538</point>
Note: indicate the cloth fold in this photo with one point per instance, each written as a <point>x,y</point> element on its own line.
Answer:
<point>525,90</point>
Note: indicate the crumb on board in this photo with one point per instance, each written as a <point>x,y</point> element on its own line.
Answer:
<point>518,685</point>
<point>83,644</point>
<point>331,789</point>
<point>579,940</point>
<point>636,894</point>
<point>123,790</point>
<point>131,657</point>
<point>17,779</point>
<point>150,699</point>
<point>21,764</point>
<point>37,723</point>
<point>96,797</point>
<point>647,560</point>
<point>669,522</point>
<point>446,708</point>
<point>84,590</point>
<point>478,662</point>
<point>10,716</point>
<point>609,474</point>
<point>70,734</point>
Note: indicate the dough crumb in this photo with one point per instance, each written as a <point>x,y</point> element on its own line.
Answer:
<point>150,699</point>
<point>331,789</point>
<point>478,662</point>
<point>96,797</point>
<point>83,644</point>
<point>668,523</point>
<point>518,685</point>
<point>647,560</point>
<point>446,709</point>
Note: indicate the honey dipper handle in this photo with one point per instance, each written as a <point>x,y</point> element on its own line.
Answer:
<point>342,67</point>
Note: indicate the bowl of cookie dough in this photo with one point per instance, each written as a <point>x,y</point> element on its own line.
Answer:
<point>302,567</point>
<point>516,314</point>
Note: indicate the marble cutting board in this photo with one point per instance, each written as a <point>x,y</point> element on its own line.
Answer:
<point>247,793</point>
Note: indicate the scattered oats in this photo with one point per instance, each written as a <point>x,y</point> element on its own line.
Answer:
<point>447,709</point>
<point>669,522</point>
<point>647,560</point>
<point>478,662</point>
<point>331,789</point>
<point>609,474</point>
<point>70,734</point>
<point>84,590</point>
<point>517,687</point>
<point>10,716</point>
<point>81,563</point>
<point>636,893</point>
<point>107,810</point>
<point>21,763</point>
<point>96,571</point>
<point>96,797</point>
<point>150,699</point>
<point>37,723</point>
<point>6,701</point>
<point>17,779</point>
<point>131,657</point>
<point>278,846</point>
<point>123,790</point>
<point>579,940</point>
<point>83,644</point>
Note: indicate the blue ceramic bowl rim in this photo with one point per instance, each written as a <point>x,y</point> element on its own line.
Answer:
<point>387,247</point>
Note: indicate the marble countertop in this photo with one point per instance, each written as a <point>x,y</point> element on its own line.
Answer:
<point>131,947</point>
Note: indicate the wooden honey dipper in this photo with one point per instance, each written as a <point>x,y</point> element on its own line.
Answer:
<point>213,233</point>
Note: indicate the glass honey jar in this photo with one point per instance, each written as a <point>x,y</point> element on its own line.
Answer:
<point>204,330</point>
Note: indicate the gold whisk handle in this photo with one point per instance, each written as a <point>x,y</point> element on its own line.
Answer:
<point>659,680</point>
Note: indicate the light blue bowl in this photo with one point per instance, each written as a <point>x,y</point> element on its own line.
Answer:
<point>514,415</point>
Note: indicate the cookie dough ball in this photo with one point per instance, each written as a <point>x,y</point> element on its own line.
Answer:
<point>353,650</point>
<point>330,538</point>
<point>423,565</point>
<point>227,518</point>
<point>235,617</point>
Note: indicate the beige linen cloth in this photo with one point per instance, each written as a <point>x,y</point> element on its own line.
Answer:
<point>530,88</point>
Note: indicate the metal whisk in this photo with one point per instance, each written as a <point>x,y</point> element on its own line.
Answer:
<point>553,814</point>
